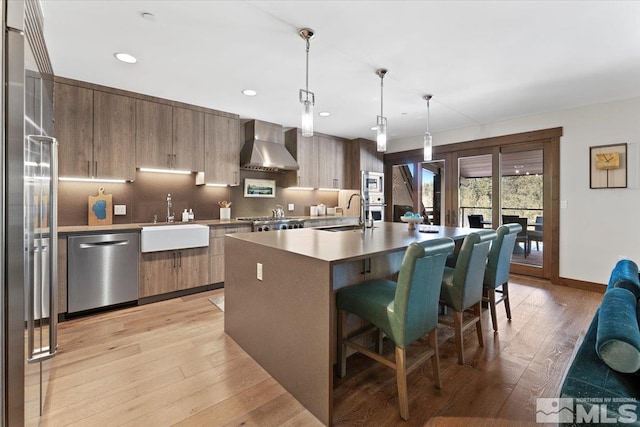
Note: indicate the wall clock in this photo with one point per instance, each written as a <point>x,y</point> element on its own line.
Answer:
<point>608,166</point>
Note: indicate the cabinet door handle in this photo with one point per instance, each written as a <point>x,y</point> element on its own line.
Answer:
<point>169,161</point>
<point>95,169</point>
<point>173,264</point>
<point>235,178</point>
<point>175,161</point>
<point>89,168</point>
<point>180,259</point>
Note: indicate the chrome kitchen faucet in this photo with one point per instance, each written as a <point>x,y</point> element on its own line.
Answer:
<point>364,206</point>
<point>170,217</point>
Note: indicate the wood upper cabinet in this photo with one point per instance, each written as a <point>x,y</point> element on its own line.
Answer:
<point>370,159</point>
<point>114,130</point>
<point>169,137</point>
<point>154,135</point>
<point>169,271</point>
<point>305,151</point>
<point>363,155</point>
<point>188,139</point>
<point>74,130</point>
<point>321,159</point>
<point>96,132</point>
<point>222,150</point>
<point>331,164</point>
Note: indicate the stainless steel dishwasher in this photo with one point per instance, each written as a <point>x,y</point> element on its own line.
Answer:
<point>102,270</point>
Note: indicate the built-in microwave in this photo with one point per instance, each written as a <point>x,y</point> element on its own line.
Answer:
<point>372,182</point>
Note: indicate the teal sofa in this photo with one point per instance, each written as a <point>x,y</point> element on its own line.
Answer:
<point>613,339</point>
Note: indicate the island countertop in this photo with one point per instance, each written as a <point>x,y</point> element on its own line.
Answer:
<point>280,292</point>
<point>340,246</point>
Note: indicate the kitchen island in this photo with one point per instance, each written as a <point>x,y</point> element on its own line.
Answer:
<point>280,297</point>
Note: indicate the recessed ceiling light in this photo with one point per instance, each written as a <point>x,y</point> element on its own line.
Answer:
<point>324,114</point>
<point>125,57</point>
<point>374,127</point>
<point>249,92</point>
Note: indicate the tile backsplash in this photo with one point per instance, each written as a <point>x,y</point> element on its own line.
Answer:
<point>147,196</point>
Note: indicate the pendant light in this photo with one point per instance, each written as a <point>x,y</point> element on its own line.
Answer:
<point>428,141</point>
<point>307,99</point>
<point>381,121</point>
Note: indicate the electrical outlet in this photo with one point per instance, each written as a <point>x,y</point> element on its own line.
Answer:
<point>290,206</point>
<point>563,204</point>
<point>259,271</point>
<point>119,209</point>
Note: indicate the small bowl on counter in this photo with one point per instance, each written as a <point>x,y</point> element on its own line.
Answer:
<point>412,221</point>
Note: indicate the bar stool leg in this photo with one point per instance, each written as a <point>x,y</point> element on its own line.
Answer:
<point>435,359</point>
<point>457,326</point>
<point>505,296</point>
<point>492,306</point>
<point>401,377</point>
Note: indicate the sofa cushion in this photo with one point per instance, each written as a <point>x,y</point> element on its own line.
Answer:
<point>630,285</point>
<point>618,337</point>
<point>589,377</point>
<point>624,269</point>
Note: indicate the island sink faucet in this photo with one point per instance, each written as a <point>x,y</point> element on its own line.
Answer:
<point>364,205</point>
<point>170,217</point>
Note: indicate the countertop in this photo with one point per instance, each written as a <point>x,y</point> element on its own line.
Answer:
<point>341,246</point>
<point>138,226</point>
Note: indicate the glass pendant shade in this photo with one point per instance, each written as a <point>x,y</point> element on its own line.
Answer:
<point>382,134</point>
<point>307,118</point>
<point>307,98</point>
<point>428,147</point>
<point>428,141</point>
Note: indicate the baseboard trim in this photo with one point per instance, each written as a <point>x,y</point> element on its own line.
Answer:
<point>581,284</point>
<point>181,293</point>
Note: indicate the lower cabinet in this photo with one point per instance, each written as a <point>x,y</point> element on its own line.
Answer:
<point>216,249</point>
<point>169,271</point>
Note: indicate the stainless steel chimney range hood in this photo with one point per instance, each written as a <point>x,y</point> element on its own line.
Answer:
<point>264,148</point>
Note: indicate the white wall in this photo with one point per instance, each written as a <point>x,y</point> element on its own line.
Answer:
<point>599,226</point>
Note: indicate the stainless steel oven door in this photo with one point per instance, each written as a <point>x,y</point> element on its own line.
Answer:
<point>377,212</point>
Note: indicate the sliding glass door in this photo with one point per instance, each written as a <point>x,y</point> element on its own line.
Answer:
<point>515,175</point>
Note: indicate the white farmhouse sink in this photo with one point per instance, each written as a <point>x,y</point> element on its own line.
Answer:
<point>170,237</point>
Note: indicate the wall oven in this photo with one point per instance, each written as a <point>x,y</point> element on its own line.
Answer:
<point>372,187</point>
<point>376,212</point>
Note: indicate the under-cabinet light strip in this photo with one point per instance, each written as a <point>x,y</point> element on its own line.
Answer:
<point>120,181</point>
<point>175,171</point>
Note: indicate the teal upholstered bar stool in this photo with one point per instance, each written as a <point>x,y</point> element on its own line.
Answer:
<point>462,286</point>
<point>496,274</point>
<point>405,311</point>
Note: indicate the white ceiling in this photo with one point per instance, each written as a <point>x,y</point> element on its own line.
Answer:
<point>483,61</point>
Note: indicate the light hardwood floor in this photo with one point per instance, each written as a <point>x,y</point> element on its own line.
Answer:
<point>170,363</point>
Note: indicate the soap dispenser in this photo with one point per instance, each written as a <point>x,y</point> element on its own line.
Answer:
<point>185,215</point>
<point>192,216</point>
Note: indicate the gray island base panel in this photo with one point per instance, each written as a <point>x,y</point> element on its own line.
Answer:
<point>287,320</point>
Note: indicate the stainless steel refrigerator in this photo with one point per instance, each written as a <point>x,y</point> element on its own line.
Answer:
<point>27,213</point>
